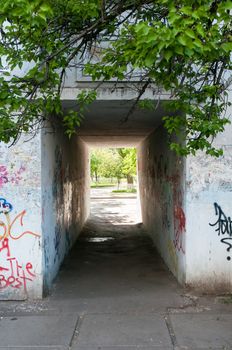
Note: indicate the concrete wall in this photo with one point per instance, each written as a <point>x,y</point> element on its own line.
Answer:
<point>44,196</point>
<point>20,220</point>
<point>44,190</point>
<point>65,195</point>
<point>208,218</point>
<point>161,182</point>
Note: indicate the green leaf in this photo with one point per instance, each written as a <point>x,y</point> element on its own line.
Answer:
<point>149,61</point>
<point>168,54</point>
<point>227,47</point>
<point>200,30</point>
<point>179,50</point>
<point>190,33</point>
<point>182,39</point>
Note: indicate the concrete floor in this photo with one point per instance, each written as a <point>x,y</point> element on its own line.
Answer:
<point>115,293</point>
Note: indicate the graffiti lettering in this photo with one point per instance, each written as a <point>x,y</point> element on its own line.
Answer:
<point>224,223</point>
<point>223,227</point>
<point>5,245</point>
<point>12,273</point>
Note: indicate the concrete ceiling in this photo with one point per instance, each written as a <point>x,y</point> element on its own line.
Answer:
<point>104,123</point>
<point>112,141</point>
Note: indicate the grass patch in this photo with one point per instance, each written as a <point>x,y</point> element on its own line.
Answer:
<point>132,190</point>
<point>102,185</point>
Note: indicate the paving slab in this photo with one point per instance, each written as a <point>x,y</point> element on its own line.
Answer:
<point>37,331</point>
<point>56,347</point>
<point>121,348</point>
<point>115,330</point>
<point>203,331</point>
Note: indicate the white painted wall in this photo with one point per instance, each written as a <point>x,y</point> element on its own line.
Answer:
<point>209,181</point>
<point>20,226</point>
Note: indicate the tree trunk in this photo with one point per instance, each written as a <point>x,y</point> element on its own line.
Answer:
<point>130,182</point>
<point>96,177</point>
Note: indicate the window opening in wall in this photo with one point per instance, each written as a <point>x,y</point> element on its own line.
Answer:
<point>114,186</point>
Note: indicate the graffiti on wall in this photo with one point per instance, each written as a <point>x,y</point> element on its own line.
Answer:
<point>179,217</point>
<point>171,189</point>
<point>223,228</point>
<point>13,273</point>
<point>10,176</point>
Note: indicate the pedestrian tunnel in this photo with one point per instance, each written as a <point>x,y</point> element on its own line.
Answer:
<point>66,181</point>
<point>45,198</point>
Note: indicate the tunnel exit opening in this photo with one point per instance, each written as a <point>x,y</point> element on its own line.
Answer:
<point>114,190</point>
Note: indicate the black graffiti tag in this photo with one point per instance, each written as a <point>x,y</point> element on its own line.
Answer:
<point>223,227</point>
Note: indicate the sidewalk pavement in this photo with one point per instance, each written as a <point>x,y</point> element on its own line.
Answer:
<point>115,293</point>
<point>36,326</point>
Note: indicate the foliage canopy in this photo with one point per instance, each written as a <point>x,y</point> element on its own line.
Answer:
<point>113,162</point>
<point>181,46</point>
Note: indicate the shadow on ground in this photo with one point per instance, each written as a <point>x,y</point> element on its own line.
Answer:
<point>115,268</point>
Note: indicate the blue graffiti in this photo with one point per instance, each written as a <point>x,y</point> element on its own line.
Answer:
<point>5,207</point>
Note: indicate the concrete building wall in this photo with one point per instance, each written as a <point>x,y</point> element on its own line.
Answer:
<point>65,196</point>
<point>161,182</point>
<point>20,220</point>
<point>44,202</point>
<point>208,218</point>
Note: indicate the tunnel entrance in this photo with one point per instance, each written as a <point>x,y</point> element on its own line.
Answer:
<point>66,188</point>
<point>114,192</point>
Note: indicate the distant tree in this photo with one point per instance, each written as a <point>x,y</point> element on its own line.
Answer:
<point>114,163</point>
<point>104,162</point>
<point>95,163</point>
<point>128,159</point>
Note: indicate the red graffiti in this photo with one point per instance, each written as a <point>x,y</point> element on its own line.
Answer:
<point>180,217</point>
<point>12,274</point>
<point>180,221</point>
<point>5,245</point>
<point>171,195</point>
